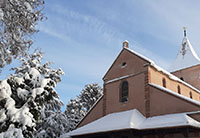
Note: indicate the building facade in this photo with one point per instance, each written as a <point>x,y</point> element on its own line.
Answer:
<point>142,100</point>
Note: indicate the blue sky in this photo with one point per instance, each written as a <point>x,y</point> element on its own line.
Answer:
<point>83,37</point>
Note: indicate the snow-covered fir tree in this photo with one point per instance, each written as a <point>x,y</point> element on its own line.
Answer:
<point>77,108</point>
<point>28,97</point>
<point>18,19</point>
<point>53,125</point>
<point>74,113</point>
<point>89,95</point>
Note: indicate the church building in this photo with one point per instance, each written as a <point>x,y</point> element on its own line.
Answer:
<point>142,100</point>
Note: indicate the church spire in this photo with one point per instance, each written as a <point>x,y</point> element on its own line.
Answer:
<point>186,56</point>
<point>184,28</point>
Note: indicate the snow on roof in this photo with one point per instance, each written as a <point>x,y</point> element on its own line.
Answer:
<point>186,57</point>
<point>174,93</point>
<point>123,77</point>
<point>133,119</point>
<point>141,56</point>
<point>169,120</point>
<point>173,77</point>
<point>114,121</point>
<point>158,68</point>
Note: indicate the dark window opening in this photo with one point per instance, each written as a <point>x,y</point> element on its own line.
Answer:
<point>191,95</point>
<point>123,64</point>
<point>164,82</point>
<point>179,89</point>
<point>124,91</point>
<point>182,78</point>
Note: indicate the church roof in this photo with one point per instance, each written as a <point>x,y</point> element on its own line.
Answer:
<point>186,57</point>
<point>158,68</point>
<point>133,119</point>
<point>175,94</point>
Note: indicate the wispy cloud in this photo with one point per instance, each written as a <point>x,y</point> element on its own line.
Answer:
<point>72,23</point>
<point>81,24</point>
<point>174,15</point>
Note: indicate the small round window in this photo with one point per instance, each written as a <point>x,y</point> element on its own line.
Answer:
<point>123,64</point>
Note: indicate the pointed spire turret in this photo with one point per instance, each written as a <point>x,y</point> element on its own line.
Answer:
<point>184,28</point>
<point>186,56</point>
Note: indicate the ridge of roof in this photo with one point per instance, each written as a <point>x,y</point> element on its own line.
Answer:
<point>140,55</point>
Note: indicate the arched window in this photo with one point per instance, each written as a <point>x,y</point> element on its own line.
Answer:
<point>124,92</point>
<point>191,95</point>
<point>164,82</point>
<point>179,89</point>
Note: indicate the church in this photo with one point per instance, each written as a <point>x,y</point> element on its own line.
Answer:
<point>142,100</point>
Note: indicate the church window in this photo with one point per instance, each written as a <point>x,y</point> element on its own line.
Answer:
<point>164,82</point>
<point>124,92</point>
<point>191,95</point>
<point>179,89</point>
